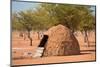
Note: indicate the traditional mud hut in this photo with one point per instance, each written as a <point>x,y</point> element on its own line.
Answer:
<point>61,42</point>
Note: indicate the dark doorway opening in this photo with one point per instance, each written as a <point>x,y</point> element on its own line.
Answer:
<point>43,41</point>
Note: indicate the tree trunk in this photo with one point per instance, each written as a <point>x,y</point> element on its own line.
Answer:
<point>29,33</point>
<point>38,35</point>
<point>86,40</point>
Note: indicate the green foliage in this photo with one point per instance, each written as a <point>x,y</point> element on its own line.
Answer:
<point>15,23</point>
<point>73,16</point>
<point>45,16</point>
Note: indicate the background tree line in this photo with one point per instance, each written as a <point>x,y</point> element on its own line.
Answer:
<point>75,17</point>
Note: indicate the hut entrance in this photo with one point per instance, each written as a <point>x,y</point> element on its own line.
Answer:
<point>43,41</point>
<point>40,49</point>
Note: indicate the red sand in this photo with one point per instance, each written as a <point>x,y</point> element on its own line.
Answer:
<point>19,46</point>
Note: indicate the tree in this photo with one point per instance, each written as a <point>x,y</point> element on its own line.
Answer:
<point>47,15</point>
<point>15,23</point>
<point>74,17</point>
<point>28,22</point>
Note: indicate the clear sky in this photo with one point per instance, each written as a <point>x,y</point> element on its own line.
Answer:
<point>93,8</point>
<point>20,6</point>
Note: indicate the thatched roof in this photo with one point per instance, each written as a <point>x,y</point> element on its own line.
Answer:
<point>60,42</point>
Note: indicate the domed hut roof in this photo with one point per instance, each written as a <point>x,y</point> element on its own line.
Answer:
<point>61,42</point>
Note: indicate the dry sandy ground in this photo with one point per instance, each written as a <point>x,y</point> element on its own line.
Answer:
<point>20,46</point>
